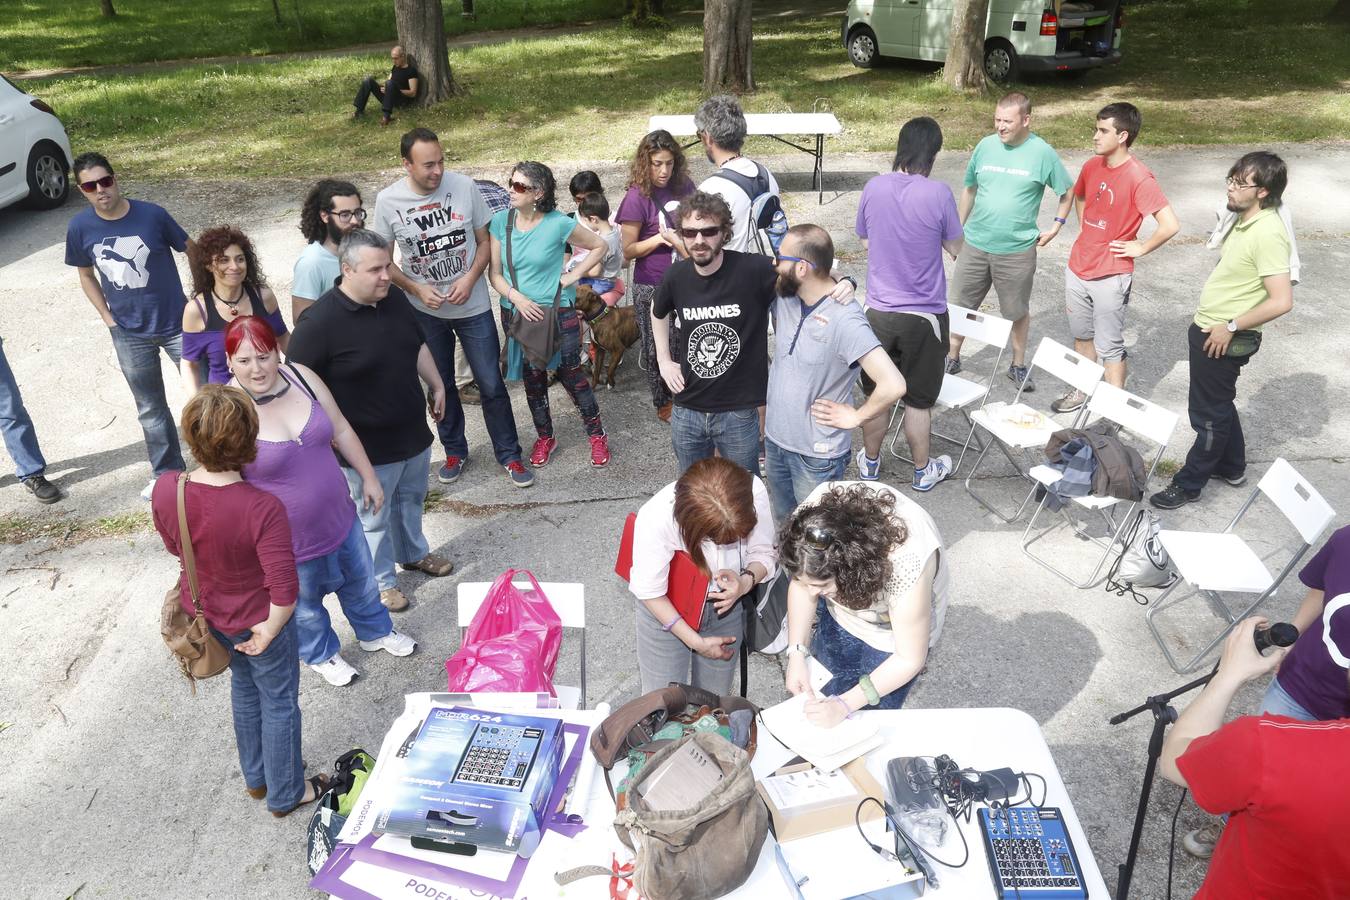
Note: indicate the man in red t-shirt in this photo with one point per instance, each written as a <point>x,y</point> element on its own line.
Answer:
<point>1113,195</point>
<point>1284,784</point>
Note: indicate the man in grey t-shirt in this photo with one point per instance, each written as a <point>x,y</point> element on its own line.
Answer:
<point>439,221</point>
<point>820,351</point>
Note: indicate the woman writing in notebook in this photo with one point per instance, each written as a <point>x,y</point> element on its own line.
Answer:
<point>717,513</point>
<point>869,571</point>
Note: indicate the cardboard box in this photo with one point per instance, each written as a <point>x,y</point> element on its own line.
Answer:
<point>790,827</point>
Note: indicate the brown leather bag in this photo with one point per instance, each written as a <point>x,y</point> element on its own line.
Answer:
<point>199,653</point>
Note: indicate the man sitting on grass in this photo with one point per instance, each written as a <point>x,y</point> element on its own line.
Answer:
<point>399,90</point>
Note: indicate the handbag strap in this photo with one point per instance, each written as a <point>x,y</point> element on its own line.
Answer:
<point>185,539</point>
<point>511,262</point>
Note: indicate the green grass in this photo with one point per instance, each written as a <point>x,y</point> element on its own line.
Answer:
<point>1272,72</point>
<point>19,529</point>
<point>41,34</point>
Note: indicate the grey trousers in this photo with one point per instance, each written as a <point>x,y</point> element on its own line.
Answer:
<point>663,657</point>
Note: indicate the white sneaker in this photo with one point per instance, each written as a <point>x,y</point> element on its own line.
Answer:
<point>149,490</point>
<point>336,671</point>
<point>938,468</point>
<point>868,469</point>
<point>394,642</point>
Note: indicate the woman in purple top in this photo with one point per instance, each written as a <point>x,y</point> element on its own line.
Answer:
<point>660,178</point>
<point>299,425</point>
<point>226,284</point>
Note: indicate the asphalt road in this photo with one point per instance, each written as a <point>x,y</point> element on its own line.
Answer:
<point>118,784</point>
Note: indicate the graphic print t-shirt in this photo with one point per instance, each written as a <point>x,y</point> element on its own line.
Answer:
<point>722,337</point>
<point>134,261</point>
<point>1115,202</point>
<point>434,233</point>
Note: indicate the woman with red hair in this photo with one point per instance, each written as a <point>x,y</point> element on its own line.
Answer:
<point>718,513</point>
<point>226,284</point>
<point>299,425</point>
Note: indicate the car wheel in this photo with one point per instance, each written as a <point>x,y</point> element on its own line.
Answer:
<point>862,48</point>
<point>1000,62</point>
<point>47,181</point>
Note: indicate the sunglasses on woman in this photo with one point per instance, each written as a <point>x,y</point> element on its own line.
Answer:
<point>691,233</point>
<point>521,187</point>
<point>90,186</point>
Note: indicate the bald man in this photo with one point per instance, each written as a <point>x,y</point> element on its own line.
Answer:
<point>399,90</point>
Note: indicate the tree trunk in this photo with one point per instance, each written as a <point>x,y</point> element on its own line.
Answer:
<point>1340,12</point>
<point>107,8</point>
<point>276,10</point>
<point>726,46</point>
<point>421,31</point>
<point>964,69</point>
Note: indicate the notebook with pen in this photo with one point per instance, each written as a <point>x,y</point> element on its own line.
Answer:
<point>687,588</point>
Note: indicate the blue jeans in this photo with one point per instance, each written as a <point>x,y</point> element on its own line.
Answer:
<point>1277,702</point>
<point>734,435</point>
<point>482,349</point>
<point>791,477</point>
<point>849,659</point>
<point>394,534</point>
<point>138,357</point>
<point>347,572</point>
<point>265,699</point>
<point>20,438</point>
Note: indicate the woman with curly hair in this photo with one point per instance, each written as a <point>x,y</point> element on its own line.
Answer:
<point>868,569</point>
<point>226,284</point>
<point>658,181</point>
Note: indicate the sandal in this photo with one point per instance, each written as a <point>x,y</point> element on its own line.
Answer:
<point>431,564</point>
<point>257,793</point>
<point>319,784</point>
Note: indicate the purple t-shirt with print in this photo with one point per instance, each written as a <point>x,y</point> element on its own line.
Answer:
<point>1315,671</point>
<point>904,219</point>
<point>635,207</point>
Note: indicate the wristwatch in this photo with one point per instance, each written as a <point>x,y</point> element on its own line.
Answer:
<point>1232,326</point>
<point>798,648</point>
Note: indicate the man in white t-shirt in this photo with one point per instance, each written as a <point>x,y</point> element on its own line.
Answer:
<point>721,127</point>
<point>439,220</point>
<point>331,210</point>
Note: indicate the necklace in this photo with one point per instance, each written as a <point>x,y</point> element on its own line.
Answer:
<point>232,304</point>
<point>264,399</point>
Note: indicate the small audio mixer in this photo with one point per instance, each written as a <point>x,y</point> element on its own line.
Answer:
<point>1030,854</point>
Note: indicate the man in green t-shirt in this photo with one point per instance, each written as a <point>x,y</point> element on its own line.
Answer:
<point>1005,181</point>
<point>1248,288</point>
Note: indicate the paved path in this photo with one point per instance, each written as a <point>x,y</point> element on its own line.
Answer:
<point>117,781</point>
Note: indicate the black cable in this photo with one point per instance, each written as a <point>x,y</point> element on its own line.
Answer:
<point>886,854</point>
<point>1172,848</point>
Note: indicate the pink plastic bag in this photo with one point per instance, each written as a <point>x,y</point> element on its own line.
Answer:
<point>511,644</point>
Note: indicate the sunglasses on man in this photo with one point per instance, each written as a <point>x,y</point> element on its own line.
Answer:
<point>346,215</point>
<point>691,233</point>
<point>90,186</point>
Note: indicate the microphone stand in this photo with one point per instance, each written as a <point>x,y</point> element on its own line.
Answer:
<point>1163,715</point>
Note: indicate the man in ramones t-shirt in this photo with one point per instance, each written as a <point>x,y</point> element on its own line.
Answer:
<point>719,301</point>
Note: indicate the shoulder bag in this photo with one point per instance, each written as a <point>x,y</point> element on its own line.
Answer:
<point>199,653</point>
<point>540,340</point>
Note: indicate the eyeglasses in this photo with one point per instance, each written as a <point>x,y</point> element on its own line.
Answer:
<point>1232,183</point>
<point>818,537</point>
<point>347,215</point>
<point>521,187</point>
<point>795,259</point>
<point>90,186</point>
<point>691,233</point>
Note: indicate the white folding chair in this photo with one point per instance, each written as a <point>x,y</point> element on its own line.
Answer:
<point>1133,414</point>
<point>959,393</point>
<point>1016,426</point>
<point>568,601</point>
<point>1213,562</point>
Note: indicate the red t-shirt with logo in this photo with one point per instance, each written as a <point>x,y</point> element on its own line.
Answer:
<point>1116,203</point>
<point>1286,787</point>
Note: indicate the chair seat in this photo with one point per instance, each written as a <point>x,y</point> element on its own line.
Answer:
<point>1016,425</point>
<point>1216,562</point>
<point>1048,476</point>
<point>957,392</point>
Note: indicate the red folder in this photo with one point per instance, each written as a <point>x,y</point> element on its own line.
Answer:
<point>687,589</point>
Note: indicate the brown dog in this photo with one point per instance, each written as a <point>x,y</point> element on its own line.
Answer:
<point>613,330</point>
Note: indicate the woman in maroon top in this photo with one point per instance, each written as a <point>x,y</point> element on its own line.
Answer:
<point>247,584</point>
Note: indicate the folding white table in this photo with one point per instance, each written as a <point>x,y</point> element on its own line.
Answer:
<point>773,125</point>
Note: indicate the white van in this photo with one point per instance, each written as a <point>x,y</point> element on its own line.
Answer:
<point>1020,35</point>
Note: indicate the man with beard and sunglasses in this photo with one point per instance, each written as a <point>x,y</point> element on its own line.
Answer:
<point>332,209</point>
<point>718,302</point>
<point>821,349</point>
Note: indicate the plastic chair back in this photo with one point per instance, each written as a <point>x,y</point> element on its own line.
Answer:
<point>1299,501</point>
<point>1075,370</point>
<point>1132,413</point>
<point>977,326</point>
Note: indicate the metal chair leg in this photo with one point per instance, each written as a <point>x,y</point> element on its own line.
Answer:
<point>1107,546</point>
<point>988,504</point>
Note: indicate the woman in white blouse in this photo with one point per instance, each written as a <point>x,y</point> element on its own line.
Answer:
<point>869,570</point>
<point>718,513</point>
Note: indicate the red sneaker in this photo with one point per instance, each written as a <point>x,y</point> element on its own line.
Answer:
<point>543,451</point>
<point>599,450</point>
